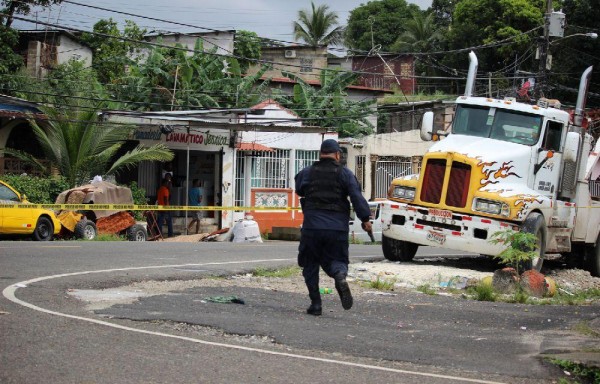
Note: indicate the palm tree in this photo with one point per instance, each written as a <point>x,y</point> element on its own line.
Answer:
<point>314,28</point>
<point>79,146</point>
<point>420,35</point>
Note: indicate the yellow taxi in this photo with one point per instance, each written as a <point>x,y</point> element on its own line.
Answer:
<point>41,224</point>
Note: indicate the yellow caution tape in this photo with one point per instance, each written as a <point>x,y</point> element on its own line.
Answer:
<point>133,207</point>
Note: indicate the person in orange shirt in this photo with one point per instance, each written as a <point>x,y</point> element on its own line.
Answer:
<point>163,197</point>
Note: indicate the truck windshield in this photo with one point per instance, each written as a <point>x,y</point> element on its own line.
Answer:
<point>499,124</point>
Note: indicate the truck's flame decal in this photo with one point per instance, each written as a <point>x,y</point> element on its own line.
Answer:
<point>523,202</point>
<point>492,174</point>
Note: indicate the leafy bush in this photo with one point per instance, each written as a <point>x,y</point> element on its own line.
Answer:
<point>520,247</point>
<point>139,194</point>
<point>139,198</point>
<point>39,190</point>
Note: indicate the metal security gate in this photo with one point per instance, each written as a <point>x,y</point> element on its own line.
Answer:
<point>386,169</point>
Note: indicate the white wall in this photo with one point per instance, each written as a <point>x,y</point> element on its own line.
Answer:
<point>222,40</point>
<point>70,49</point>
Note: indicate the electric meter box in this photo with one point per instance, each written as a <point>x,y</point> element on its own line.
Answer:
<point>557,24</point>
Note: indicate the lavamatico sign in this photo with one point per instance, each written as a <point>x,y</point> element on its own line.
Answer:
<point>179,137</point>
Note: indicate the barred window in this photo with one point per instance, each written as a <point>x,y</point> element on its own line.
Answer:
<point>359,170</point>
<point>306,65</point>
<point>305,159</point>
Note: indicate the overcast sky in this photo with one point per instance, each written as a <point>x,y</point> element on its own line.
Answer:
<point>268,18</point>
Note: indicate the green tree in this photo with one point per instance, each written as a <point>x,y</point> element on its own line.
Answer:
<point>572,55</point>
<point>477,22</point>
<point>9,60</point>
<point>247,47</point>
<point>69,84</point>
<point>80,146</point>
<point>378,22</point>
<point>420,35</point>
<point>113,49</point>
<point>170,78</point>
<point>317,26</point>
<point>443,11</point>
<point>329,105</point>
<point>10,7</point>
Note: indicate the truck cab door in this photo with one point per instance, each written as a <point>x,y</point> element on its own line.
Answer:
<point>549,160</point>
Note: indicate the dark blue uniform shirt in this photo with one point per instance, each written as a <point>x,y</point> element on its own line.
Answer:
<point>325,219</point>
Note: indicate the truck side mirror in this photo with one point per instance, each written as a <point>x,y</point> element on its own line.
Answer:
<point>571,147</point>
<point>427,126</point>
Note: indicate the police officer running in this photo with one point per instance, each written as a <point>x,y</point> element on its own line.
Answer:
<point>324,189</point>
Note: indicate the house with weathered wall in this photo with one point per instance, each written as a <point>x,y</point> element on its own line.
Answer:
<point>387,71</point>
<point>15,132</point>
<point>303,61</point>
<point>44,50</point>
<point>222,40</point>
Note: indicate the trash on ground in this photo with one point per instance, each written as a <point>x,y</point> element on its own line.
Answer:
<point>457,282</point>
<point>378,293</point>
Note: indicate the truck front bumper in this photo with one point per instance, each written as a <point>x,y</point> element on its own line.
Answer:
<point>442,228</point>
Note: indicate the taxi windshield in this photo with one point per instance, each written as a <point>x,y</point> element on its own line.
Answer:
<point>499,124</point>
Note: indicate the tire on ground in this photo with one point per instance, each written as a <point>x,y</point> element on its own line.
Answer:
<point>398,250</point>
<point>136,233</point>
<point>592,259</point>
<point>535,224</point>
<point>44,229</point>
<point>85,229</point>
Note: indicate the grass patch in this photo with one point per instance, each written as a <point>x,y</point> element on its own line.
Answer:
<point>575,298</point>
<point>519,296</point>
<point>426,289</point>
<point>381,284</point>
<point>107,237</point>
<point>483,292</point>
<point>580,371</point>
<point>282,272</point>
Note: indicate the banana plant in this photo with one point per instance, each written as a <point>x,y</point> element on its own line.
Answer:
<point>328,105</point>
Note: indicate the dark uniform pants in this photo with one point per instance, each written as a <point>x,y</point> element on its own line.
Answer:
<point>327,249</point>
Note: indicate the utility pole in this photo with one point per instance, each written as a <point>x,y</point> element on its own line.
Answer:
<point>544,48</point>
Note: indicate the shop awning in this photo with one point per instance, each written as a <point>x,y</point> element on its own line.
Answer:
<point>254,147</point>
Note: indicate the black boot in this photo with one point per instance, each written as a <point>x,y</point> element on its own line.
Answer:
<point>315,308</point>
<point>341,285</point>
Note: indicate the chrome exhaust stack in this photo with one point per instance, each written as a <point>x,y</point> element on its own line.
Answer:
<point>473,64</point>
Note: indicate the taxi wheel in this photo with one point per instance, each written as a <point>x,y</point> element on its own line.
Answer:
<point>43,229</point>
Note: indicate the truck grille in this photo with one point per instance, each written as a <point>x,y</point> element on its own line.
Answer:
<point>458,183</point>
<point>433,181</point>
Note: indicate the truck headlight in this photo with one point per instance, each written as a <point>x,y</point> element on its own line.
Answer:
<point>492,207</point>
<point>401,192</point>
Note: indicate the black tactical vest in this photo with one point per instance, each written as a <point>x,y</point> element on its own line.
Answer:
<point>325,189</point>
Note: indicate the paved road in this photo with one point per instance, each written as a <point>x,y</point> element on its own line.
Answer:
<point>48,336</point>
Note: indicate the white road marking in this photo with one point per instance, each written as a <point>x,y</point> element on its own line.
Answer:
<point>9,293</point>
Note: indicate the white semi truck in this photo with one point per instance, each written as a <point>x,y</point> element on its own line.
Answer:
<point>502,165</point>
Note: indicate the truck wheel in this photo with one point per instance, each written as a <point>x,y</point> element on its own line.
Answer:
<point>592,259</point>
<point>398,250</point>
<point>534,223</point>
<point>44,229</point>
<point>136,233</point>
<point>85,229</point>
